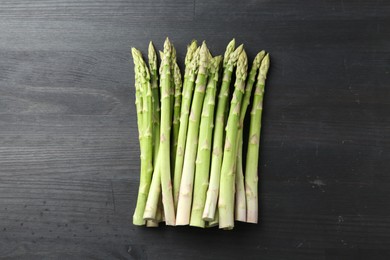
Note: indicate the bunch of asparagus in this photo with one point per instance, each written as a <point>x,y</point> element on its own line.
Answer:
<point>191,136</point>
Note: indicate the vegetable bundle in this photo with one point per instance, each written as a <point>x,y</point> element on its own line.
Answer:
<point>191,136</point>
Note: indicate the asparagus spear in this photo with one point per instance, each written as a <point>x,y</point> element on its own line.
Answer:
<point>226,192</point>
<point>164,156</point>
<point>186,185</point>
<point>152,57</point>
<point>229,61</point>
<point>191,62</point>
<point>176,111</point>
<point>240,204</point>
<point>139,108</point>
<point>155,187</point>
<point>151,208</point>
<point>146,141</point>
<point>204,148</point>
<point>252,160</point>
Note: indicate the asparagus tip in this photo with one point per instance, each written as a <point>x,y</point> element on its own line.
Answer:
<point>229,50</point>
<point>240,48</point>
<point>167,47</point>
<point>151,48</point>
<point>204,53</point>
<point>162,61</point>
<point>232,43</point>
<point>177,76</point>
<point>214,63</point>
<point>191,49</point>
<point>152,57</point>
<point>134,52</point>
<point>173,54</point>
<point>234,56</point>
<point>137,56</point>
<point>242,66</point>
<point>264,66</point>
<point>267,58</point>
<point>203,47</point>
<point>195,61</point>
<point>257,61</point>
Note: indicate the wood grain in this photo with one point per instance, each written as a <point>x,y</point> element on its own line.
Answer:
<point>69,153</point>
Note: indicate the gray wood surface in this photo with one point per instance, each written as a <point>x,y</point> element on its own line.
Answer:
<point>69,153</point>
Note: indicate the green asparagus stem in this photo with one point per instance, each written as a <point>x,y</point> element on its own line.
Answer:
<point>191,62</point>
<point>252,160</point>
<point>226,192</point>
<point>156,131</point>
<point>240,199</point>
<point>151,208</point>
<point>139,108</point>
<point>148,133</point>
<point>240,204</point>
<point>249,85</point>
<point>146,141</point>
<point>187,180</point>
<point>172,89</point>
<point>154,193</point>
<point>166,121</point>
<point>204,148</point>
<point>138,99</point>
<point>152,57</point>
<point>230,60</point>
<point>172,105</point>
<point>176,111</point>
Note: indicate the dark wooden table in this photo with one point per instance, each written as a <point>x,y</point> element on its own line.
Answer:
<point>69,159</point>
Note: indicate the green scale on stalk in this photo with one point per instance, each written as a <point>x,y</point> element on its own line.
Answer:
<point>153,201</point>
